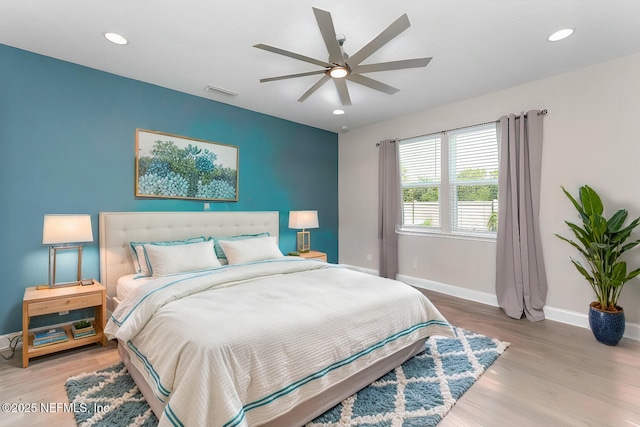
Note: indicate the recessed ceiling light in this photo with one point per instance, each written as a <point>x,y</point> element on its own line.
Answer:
<point>560,34</point>
<point>338,112</point>
<point>116,38</point>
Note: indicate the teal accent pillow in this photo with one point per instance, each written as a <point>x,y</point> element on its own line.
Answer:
<point>218,249</point>
<point>140,260</point>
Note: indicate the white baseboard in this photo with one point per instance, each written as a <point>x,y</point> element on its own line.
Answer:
<point>631,330</point>
<point>455,291</point>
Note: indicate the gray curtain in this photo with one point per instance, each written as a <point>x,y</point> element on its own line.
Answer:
<point>389,207</point>
<point>521,282</point>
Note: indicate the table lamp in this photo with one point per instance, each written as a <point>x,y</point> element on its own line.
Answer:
<point>303,220</point>
<point>59,232</point>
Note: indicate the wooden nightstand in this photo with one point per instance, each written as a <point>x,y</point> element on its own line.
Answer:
<point>314,255</point>
<point>37,302</point>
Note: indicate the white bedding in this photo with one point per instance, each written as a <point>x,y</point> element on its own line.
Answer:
<point>129,283</point>
<point>238,345</point>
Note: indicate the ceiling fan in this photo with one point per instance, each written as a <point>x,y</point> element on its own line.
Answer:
<point>340,66</point>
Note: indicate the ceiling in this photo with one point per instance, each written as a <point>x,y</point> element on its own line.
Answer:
<point>477,47</point>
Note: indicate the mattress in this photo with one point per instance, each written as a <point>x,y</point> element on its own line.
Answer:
<point>246,345</point>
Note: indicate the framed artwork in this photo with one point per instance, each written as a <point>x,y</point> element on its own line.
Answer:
<point>177,167</point>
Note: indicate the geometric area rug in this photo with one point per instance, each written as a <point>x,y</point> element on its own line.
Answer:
<point>419,393</point>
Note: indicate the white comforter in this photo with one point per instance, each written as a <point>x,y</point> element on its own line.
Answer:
<point>238,345</point>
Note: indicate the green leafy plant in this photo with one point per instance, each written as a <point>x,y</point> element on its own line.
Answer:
<point>81,324</point>
<point>601,242</point>
<point>492,222</point>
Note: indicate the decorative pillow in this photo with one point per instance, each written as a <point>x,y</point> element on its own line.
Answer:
<point>220,253</point>
<point>250,250</point>
<point>166,260</point>
<point>140,261</point>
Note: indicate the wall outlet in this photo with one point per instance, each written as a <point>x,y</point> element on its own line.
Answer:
<point>207,206</point>
<point>369,257</point>
<point>62,313</point>
<point>414,262</point>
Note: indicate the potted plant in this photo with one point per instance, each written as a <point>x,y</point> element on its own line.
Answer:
<point>601,242</point>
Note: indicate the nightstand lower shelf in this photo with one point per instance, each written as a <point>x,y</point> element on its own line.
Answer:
<point>64,345</point>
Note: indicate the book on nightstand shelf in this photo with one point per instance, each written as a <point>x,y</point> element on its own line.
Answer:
<point>78,335</point>
<point>82,329</point>
<point>48,337</point>
<point>49,333</point>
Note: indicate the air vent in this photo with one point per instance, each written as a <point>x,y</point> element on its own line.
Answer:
<point>226,92</point>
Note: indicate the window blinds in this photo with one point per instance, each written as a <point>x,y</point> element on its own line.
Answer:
<point>473,178</point>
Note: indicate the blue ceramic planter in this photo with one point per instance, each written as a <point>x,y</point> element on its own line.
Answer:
<point>608,328</point>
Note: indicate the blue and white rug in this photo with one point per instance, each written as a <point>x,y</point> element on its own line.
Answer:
<point>416,394</point>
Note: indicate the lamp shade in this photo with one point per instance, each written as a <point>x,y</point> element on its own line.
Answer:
<point>66,229</point>
<point>303,219</point>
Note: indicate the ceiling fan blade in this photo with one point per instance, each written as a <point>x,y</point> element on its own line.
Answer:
<point>393,65</point>
<point>291,76</point>
<point>315,87</point>
<point>373,84</point>
<point>325,23</point>
<point>293,55</point>
<point>398,26</point>
<point>343,92</point>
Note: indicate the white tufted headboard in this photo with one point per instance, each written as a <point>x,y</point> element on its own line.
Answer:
<point>117,229</point>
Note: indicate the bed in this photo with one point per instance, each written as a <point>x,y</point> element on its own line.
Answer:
<point>261,340</point>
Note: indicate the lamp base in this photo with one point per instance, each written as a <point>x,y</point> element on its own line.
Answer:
<point>304,241</point>
<point>53,252</point>
<point>58,285</point>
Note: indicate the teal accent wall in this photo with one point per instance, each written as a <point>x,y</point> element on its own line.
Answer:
<point>67,138</point>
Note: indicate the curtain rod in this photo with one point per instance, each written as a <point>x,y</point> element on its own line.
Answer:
<point>539,113</point>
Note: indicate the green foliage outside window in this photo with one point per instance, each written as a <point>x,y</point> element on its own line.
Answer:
<point>470,193</point>
<point>420,194</point>
<point>465,193</point>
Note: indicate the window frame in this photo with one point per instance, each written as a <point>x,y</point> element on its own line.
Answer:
<point>446,214</point>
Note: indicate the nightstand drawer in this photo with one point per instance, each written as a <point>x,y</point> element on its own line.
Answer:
<point>64,304</point>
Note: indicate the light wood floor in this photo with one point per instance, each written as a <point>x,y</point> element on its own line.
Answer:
<point>552,375</point>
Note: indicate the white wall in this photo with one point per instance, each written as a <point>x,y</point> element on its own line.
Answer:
<point>590,137</point>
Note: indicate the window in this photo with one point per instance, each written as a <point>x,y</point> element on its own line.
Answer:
<point>450,181</point>
<point>421,165</point>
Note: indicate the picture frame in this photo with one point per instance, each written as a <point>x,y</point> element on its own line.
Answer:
<point>178,167</point>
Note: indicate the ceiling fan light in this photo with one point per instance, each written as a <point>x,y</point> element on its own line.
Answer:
<point>339,72</point>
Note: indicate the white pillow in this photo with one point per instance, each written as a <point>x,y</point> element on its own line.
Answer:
<point>250,250</point>
<point>165,260</point>
<point>140,260</point>
<point>220,252</point>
